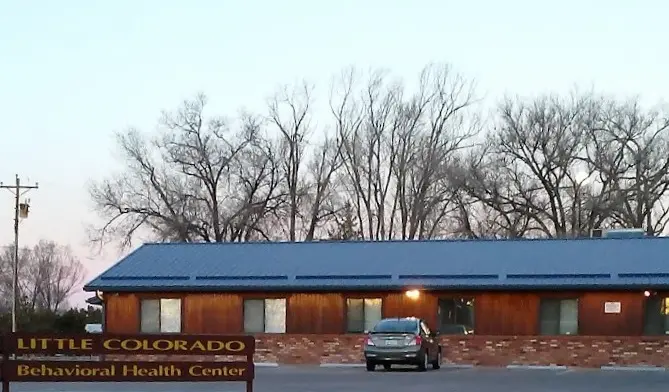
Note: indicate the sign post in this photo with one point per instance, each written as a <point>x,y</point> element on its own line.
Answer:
<point>27,370</point>
<point>5,358</point>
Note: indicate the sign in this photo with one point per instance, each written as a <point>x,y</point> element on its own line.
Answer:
<point>612,307</point>
<point>92,344</point>
<point>20,344</point>
<point>74,371</point>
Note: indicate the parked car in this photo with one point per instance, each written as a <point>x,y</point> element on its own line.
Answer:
<point>402,341</point>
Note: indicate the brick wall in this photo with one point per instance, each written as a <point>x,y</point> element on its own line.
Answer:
<point>582,351</point>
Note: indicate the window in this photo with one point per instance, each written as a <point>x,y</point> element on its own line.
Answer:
<point>265,315</point>
<point>160,315</point>
<point>362,314</point>
<point>394,325</point>
<point>558,317</point>
<point>656,317</point>
<point>456,316</point>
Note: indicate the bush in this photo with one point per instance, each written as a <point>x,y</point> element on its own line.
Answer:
<point>72,321</point>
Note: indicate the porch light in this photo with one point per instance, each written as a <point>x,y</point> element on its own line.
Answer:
<point>646,293</point>
<point>413,294</point>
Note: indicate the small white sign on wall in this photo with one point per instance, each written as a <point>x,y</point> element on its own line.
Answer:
<point>612,307</point>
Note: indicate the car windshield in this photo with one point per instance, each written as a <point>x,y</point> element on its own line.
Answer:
<point>396,326</point>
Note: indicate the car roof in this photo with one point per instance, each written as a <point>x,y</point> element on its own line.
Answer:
<point>401,319</point>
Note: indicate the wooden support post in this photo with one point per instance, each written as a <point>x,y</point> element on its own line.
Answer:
<point>5,382</point>
<point>249,360</point>
<point>5,358</point>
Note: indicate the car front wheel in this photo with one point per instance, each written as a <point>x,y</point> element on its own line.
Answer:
<point>371,366</point>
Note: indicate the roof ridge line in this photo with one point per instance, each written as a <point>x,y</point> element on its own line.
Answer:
<point>433,240</point>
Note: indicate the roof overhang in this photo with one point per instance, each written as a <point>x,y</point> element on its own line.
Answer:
<point>94,300</point>
<point>370,288</point>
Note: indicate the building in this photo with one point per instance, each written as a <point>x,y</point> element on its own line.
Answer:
<point>585,302</point>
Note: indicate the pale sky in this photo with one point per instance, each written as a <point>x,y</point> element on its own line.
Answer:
<point>72,72</point>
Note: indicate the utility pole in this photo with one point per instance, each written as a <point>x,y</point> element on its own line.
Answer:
<point>20,211</point>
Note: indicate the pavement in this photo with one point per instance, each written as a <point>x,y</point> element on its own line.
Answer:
<point>355,379</point>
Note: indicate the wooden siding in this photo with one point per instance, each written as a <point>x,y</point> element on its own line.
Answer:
<point>399,305</point>
<point>496,313</point>
<point>121,313</point>
<point>594,322</point>
<point>212,313</point>
<point>315,313</point>
<point>506,314</point>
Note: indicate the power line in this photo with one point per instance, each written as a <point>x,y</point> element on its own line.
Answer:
<point>20,211</point>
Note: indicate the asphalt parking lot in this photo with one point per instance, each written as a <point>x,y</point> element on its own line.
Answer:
<point>306,379</point>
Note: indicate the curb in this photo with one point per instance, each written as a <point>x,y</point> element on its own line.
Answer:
<point>537,367</point>
<point>456,366</point>
<point>266,364</point>
<point>468,366</point>
<point>360,365</point>
<point>635,368</point>
<point>342,365</point>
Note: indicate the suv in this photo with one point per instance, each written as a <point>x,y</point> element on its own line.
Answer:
<point>402,341</point>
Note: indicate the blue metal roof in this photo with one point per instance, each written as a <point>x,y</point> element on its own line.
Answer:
<point>366,265</point>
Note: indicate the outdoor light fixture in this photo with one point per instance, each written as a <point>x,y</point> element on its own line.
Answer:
<point>413,294</point>
<point>646,293</point>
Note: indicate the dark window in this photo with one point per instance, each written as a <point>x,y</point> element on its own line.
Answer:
<point>656,318</point>
<point>558,317</point>
<point>265,315</point>
<point>396,326</point>
<point>160,315</point>
<point>456,316</point>
<point>362,314</point>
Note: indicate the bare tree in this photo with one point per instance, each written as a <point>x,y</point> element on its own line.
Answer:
<point>7,273</point>
<point>486,208</point>
<point>53,273</point>
<point>48,275</point>
<point>256,195</point>
<point>562,167</point>
<point>183,184</point>
<point>533,154</point>
<point>437,127</point>
<point>629,152</point>
<point>323,201</point>
<point>392,162</point>
<point>289,112</point>
<point>371,154</point>
<point>309,166</point>
<point>397,159</point>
